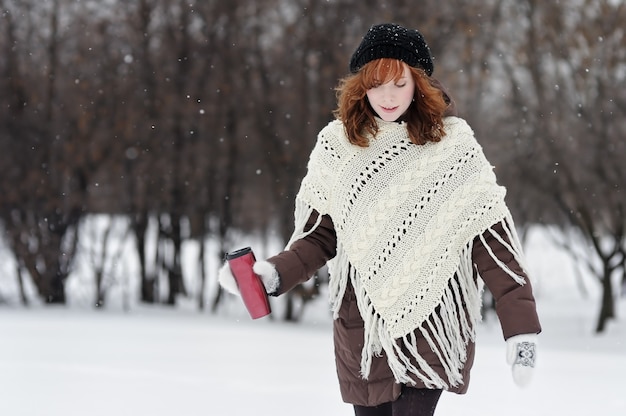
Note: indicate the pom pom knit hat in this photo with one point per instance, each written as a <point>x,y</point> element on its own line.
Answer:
<point>389,40</point>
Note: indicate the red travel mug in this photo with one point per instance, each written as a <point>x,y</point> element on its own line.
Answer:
<point>249,283</point>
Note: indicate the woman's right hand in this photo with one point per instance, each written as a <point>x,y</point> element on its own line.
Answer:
<point>264,269</point>
<point>227,280</point>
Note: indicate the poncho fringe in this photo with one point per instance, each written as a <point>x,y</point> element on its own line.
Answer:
<point>447,329</point>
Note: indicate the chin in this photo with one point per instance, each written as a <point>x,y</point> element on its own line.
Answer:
<point>388,117</point>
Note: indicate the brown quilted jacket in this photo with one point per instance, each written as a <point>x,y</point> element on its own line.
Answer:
<point>515,307</point>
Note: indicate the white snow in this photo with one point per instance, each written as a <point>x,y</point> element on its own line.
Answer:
<point>154,361</point>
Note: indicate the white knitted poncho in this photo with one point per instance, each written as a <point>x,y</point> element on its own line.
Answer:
<point>406,217</point>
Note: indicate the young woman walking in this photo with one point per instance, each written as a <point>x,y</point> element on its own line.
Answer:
<point>402,204</point>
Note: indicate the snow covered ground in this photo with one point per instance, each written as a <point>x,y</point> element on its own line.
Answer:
<point>160,362</point>
<point>76,361</point>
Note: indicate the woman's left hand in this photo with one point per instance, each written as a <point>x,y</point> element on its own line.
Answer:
<point>521,354</point>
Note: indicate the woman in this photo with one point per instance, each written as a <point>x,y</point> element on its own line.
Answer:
<point>402,204</point>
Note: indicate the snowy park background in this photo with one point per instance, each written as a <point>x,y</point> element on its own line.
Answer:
<point>76,360</point>
<point>187,120</point>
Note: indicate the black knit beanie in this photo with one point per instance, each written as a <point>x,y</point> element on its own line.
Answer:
<point>389,40</point>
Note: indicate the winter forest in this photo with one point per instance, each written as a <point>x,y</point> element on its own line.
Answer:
<point>132,129</point>
<point>144,139</point>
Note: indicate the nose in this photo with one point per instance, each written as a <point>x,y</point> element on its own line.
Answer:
<point>388,94</point>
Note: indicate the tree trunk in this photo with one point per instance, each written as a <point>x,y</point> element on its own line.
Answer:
<point>147,284</point>
<point>174,267</point>
<point>607,307</point>
<point>20,283</point>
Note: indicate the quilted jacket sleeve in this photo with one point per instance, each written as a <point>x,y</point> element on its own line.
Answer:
<point>307,255</point>
<point>514,303</point>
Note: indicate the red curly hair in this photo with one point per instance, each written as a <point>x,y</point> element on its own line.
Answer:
<point>424,116</point>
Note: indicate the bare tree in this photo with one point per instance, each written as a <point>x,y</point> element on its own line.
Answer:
<point>103,240</point>
<point>569,150</point>
<point>194,119</point>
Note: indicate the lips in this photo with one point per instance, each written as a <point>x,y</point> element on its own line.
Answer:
<point>389,109</point>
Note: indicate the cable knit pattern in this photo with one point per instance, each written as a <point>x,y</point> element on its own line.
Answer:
<point>406,217</point>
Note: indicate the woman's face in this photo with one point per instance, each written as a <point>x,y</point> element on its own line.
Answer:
<point>392,99</point>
